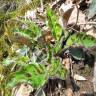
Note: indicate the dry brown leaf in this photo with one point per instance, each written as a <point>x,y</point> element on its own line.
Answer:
<point>69,92</point>
<point>79,78</point>
<point>46,38</point>
<point>22,90</point>
<point>57,4</point>
<point>73,17</point>
<point>41,14</point>
<point>65,12</point>
<point>66,63</point>
<point>22,40</point>
<point>69,2</point>
<point>90,30</point>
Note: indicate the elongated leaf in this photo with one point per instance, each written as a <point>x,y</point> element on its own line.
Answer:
<point>30,29</point>
<point>35,69</point>
<point>38,80</point>
<point>53,24</point>
<point>31,73</point>
<point>18,77</point>
<point>81,39</point>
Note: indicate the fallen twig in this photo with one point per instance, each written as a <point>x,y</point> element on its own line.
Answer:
<point>87,23</point>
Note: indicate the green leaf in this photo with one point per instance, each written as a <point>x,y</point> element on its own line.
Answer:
<point>23,59</point>
<point>57,69</point>
<point>31,73</point>
<point>7,61</point>
<point>62,72</point>
<point>31,29</point>
<point>1,77</point>
<point>53,24</point>
<point>81,39</point>
<point>77,53</point>
<point>38,80</point>
<point>17,77</point>
<point>57,46</point>
<point>35,68</point>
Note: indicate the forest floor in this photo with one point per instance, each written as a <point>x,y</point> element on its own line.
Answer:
<point>76,18</point>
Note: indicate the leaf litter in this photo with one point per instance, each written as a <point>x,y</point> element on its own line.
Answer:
<point>72,13</point>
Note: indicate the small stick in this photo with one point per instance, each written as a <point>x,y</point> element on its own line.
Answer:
<point>77,14</point>
<point>87,23</point>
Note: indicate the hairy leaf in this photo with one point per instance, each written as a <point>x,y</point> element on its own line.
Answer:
<point>53,24</point>
<point>81,39</point>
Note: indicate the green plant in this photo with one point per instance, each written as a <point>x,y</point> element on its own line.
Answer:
<point>53,24</point>
<point>18,68</point>
<point>81,39</point>
<point>8,67</point>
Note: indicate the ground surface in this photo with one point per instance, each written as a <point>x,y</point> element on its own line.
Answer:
<point>84,87</point>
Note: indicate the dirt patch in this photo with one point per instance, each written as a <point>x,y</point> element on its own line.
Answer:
<point>58,87</point>
<point>85,87</point>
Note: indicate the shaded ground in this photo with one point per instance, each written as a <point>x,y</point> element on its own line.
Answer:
<point>85,86</point>
<point>58,87</point>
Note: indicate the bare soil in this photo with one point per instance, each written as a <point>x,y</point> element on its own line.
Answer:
<point>58,87</point>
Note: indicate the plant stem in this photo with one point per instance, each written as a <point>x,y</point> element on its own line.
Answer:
<point>49,54</point>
